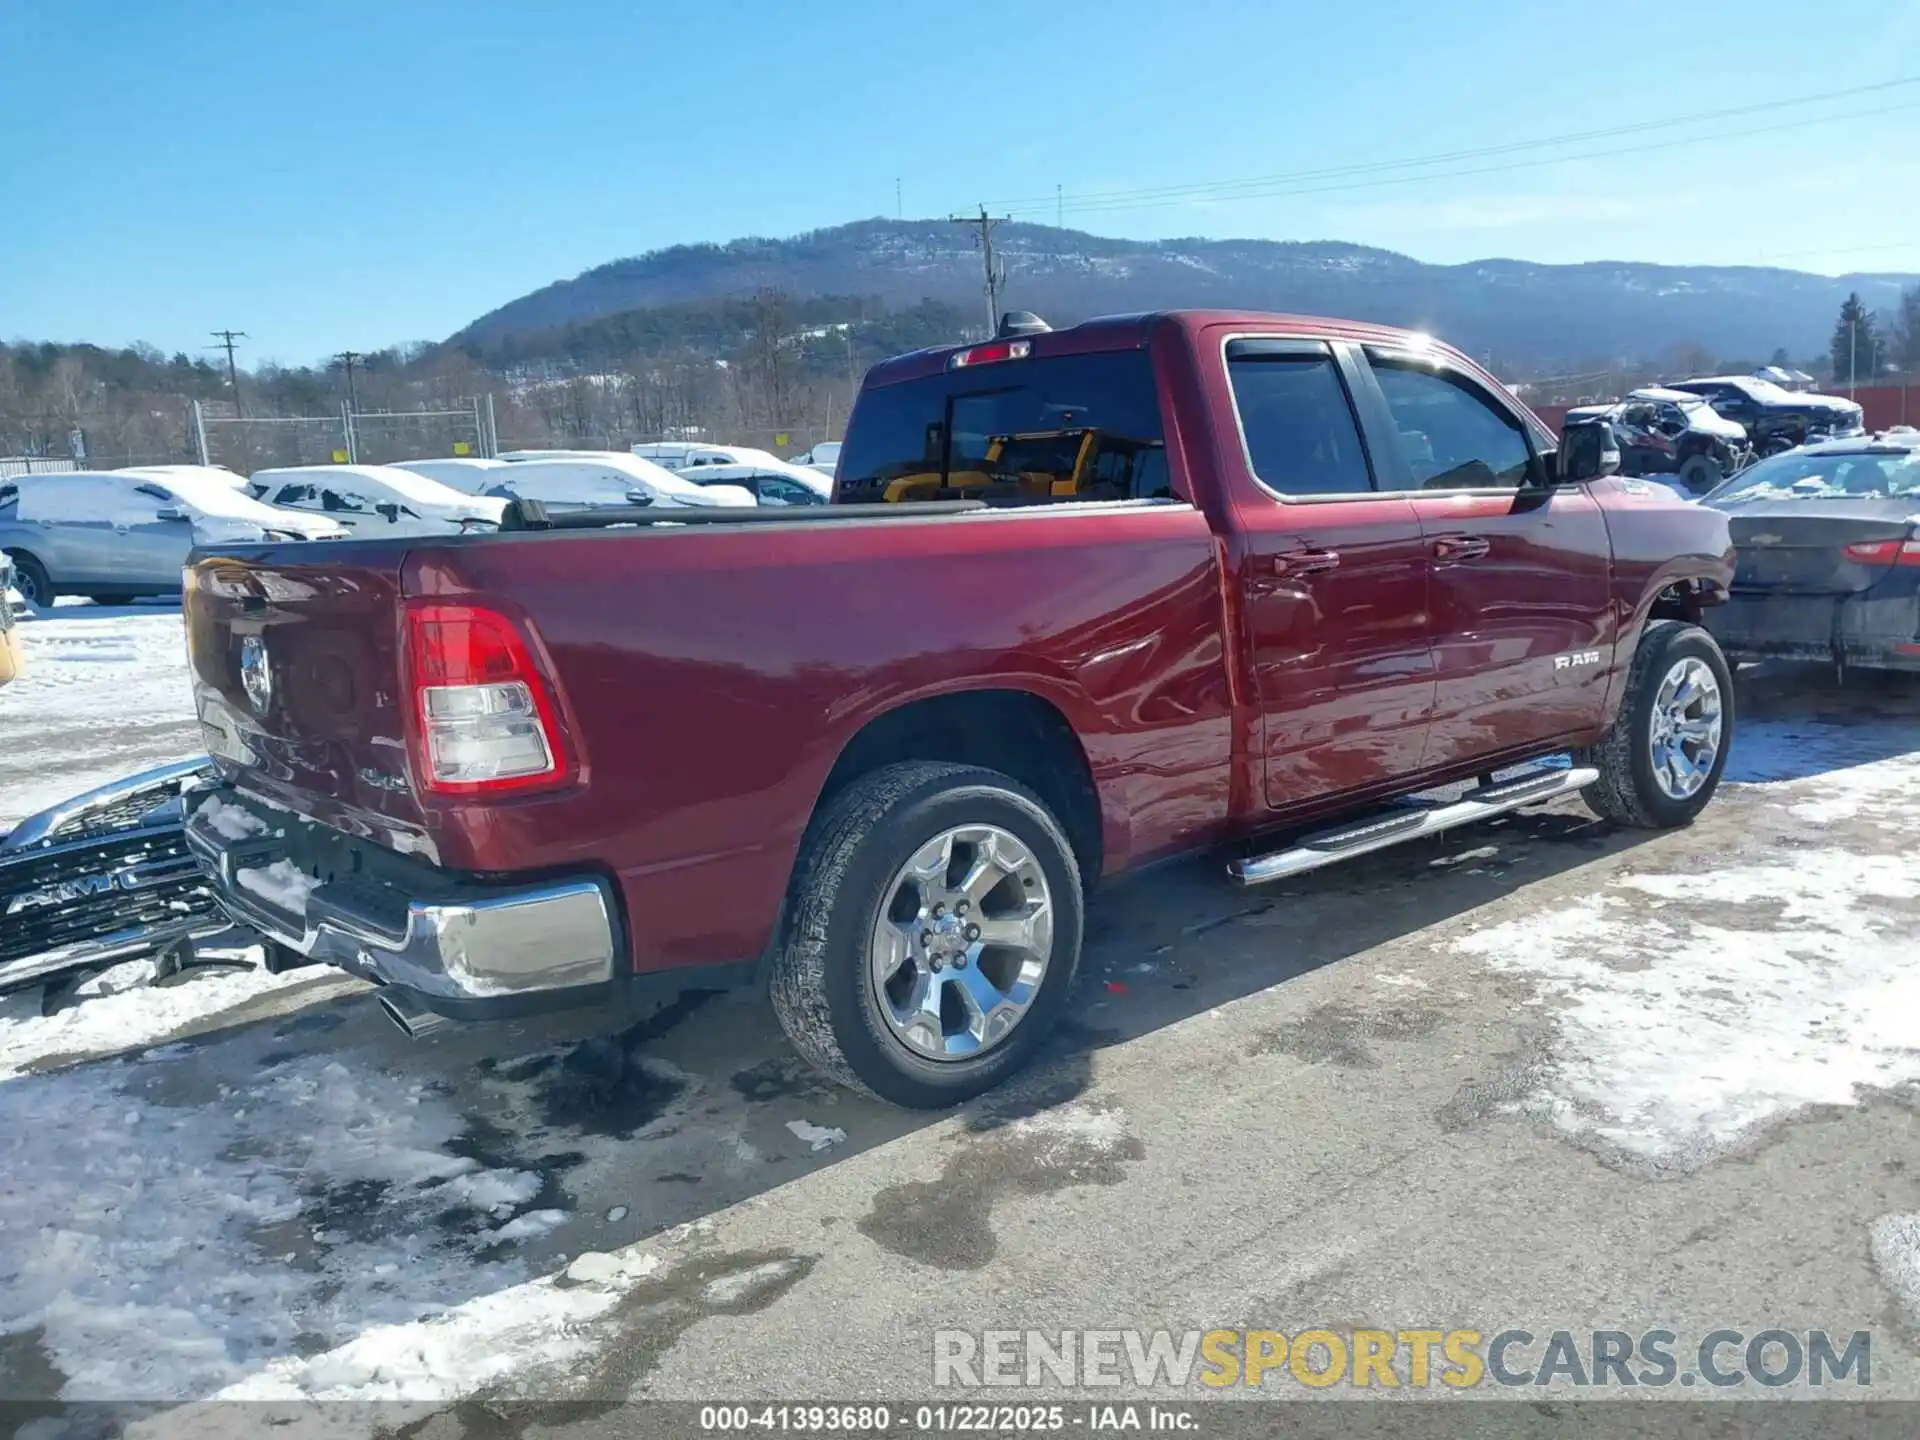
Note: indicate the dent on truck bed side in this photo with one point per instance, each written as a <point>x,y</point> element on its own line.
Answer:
<point>718,676</point>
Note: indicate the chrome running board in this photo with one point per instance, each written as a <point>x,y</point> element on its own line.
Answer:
<point>1410,822</point>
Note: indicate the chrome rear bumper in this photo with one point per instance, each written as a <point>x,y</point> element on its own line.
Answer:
<point>466,950</point>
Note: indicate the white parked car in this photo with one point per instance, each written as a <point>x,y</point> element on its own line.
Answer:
<point>676,454</point>
<point>822,457</point>
<point>116,534</point>
<point>376,500</point>
<point>465,473</point>
<point>611,479</point>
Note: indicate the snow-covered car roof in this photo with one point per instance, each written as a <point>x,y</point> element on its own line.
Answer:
<point>413,486</point>
<point>608,473</point>
<point>1749,385</point>
<point>218,473</point>
<point>1660,394</point>
<point>199,493</point>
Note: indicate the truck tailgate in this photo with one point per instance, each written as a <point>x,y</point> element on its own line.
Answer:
<point>295,653</point>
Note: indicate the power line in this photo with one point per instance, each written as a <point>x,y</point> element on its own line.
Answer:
<point>1472,153</point>
<point>226,339</point>
<point>1157,201</point>
<point>996,273</point>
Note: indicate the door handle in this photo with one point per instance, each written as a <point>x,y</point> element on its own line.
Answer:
<point>1305,562</point>
<point>1459,547</point>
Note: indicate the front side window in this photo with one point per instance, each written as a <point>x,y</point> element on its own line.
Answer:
<point>1301,435</point>
<point>1016,431</point>
<point>1452,436</point>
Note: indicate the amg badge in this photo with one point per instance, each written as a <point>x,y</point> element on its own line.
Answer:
<point>1576,659</point>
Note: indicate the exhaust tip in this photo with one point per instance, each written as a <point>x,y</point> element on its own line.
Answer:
<point>413,1018</point>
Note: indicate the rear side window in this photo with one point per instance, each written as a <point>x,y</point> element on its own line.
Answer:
<point>1069,427</point>
<point>1301,435</point>
<point>87,500</point>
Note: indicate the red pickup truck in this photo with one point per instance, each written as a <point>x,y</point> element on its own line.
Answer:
<point>1325,589</point>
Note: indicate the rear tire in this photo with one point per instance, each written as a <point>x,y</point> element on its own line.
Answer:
<point>30,579</point>
<point>854,880</point>
<point>1662,759</point>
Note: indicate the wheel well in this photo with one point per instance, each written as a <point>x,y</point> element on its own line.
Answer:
<point>1684,600</point>
<point>1012,731</point>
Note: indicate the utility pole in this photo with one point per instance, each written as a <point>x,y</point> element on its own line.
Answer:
<point>226,339</point>
<point>899,206</point>
<point>1059,207</point>
<point>1853,357</point>
<point>346,360</point>
<point>996,273</point>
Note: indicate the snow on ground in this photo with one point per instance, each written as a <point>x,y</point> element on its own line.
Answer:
<point>207,1219</point>
<point>1895,1243</point>
<point>1695,1009</point>
<point>118,1010</point>
<point>104,694</point>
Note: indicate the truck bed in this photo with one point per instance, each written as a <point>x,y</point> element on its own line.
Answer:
<point>710,677</point>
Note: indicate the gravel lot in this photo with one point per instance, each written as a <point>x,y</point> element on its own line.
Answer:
<point>1540,1075</point>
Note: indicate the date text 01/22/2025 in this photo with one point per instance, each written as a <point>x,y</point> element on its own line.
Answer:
<point>944,1419</point>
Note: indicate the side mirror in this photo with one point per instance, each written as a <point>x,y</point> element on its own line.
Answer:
<point>639,497</point>
<point>172,513</point>
<point>1588,451</point>
<point>388,509</point>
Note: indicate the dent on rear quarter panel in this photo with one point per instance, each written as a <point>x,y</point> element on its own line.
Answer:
<point>716,676</point>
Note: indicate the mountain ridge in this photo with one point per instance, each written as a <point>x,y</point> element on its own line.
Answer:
<point>1519,311</point>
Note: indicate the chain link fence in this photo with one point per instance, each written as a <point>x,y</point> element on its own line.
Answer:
<point>784,441</point>
<point>246,443</point>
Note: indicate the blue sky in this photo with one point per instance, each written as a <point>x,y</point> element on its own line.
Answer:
<point>324,176</point>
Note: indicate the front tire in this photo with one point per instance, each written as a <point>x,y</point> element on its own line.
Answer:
<point>1662,759</point>
<point>1700,473</point>
<point>934,929</point>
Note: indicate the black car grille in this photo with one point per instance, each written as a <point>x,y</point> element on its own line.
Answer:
<point>83,890</point>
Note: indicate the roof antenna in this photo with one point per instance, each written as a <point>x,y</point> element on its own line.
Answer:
<point>1021,322</point>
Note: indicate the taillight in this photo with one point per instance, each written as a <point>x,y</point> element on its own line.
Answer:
<point>987,354</point>
<point>1884,552</point>
<point>483,717</point>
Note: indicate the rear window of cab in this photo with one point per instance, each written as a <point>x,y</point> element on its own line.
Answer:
<point>1018,431</point>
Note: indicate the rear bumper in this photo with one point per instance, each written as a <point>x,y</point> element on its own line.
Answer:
<point>1856,631</point>
<point>466,950</point>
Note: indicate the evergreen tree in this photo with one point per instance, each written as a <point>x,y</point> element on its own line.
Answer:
<point>1903,344</point>
<point>1856,345</point>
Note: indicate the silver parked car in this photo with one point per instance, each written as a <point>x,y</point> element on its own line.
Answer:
<point>115,534</point>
